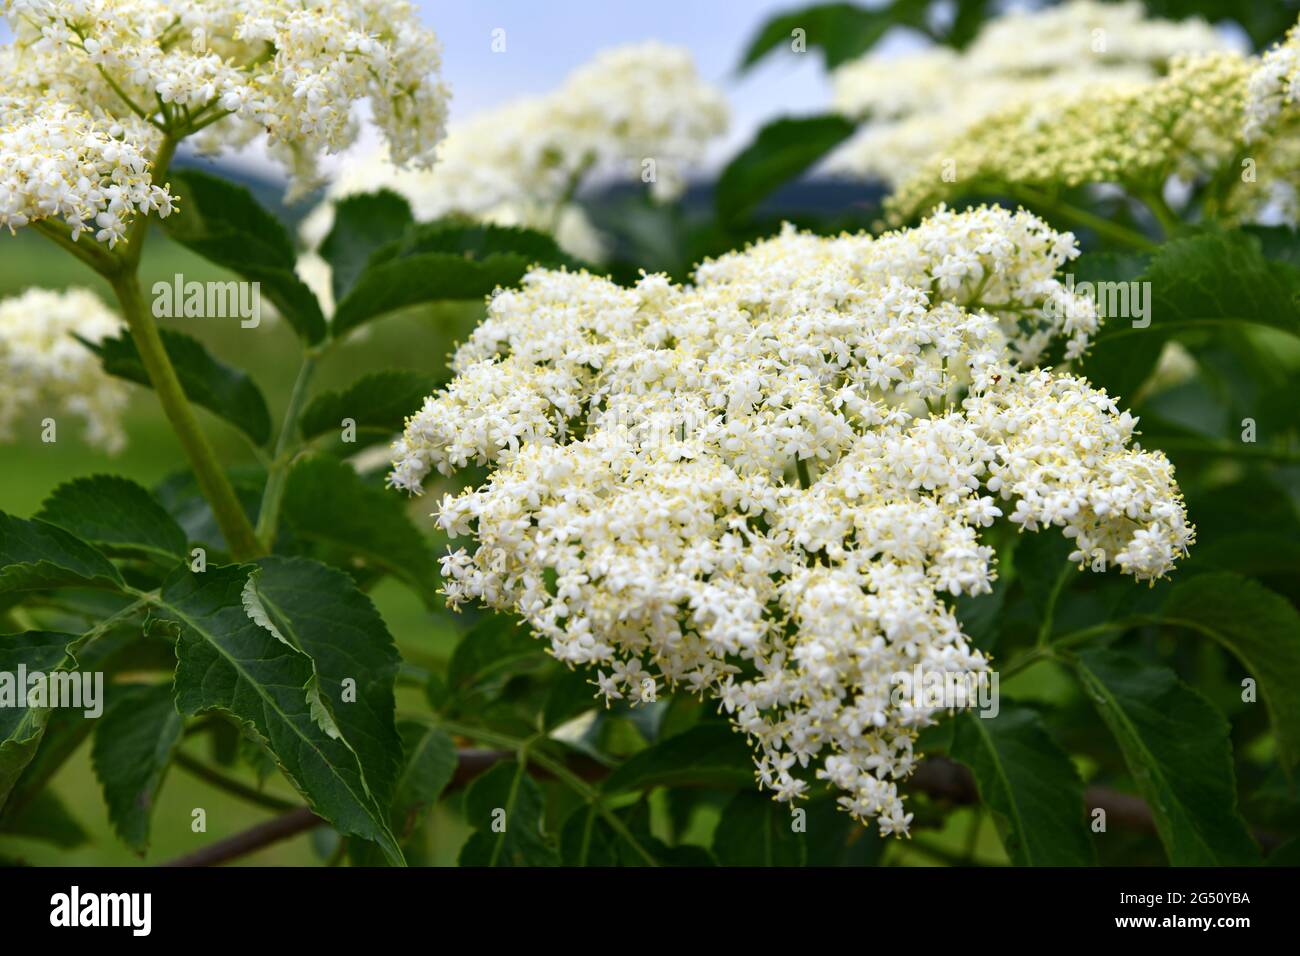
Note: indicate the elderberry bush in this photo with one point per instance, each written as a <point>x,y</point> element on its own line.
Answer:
<point>511,488</point>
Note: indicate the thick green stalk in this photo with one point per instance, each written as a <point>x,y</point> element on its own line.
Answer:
<point>214,484</point>
<point>121,269</point>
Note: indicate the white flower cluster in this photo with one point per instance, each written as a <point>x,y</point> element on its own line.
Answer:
<point>233,70</point>
<point>57,162</point>
<point>520,164</point>
<point>916,105</point>
<point>1275,85</point>
<point>767,486</point>
<point>44,367</point>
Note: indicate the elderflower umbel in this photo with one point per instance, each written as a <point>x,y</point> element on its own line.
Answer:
<point>521,163</point>
<point>93,83</point>
<point>1273,86</point>
<point>916,105</point>
<point>1134,135</point>
<point>57,162</point>
<point>643,512</point>
<point>46,371</point>
<point>1271,131</point>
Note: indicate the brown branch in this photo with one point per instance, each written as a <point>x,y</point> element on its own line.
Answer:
<point>254,838</point>
<point>937,777</point>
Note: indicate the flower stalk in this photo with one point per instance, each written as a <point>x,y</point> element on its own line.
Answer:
<point>212,480</point>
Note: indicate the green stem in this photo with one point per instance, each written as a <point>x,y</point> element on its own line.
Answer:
<point>1023,661</point>
<point>230,785</point>
<point>1086,634</point>
<point>130,103</point>
<point>129,258</point>
<point>122,274</point>
<point>1168,219</point>
<point>1081,636</point>
<point>801,466</point>
<point>214,484</point>
<point>198,126</point>
<point>1049,612</point>
<point>560,772</point>
<point>269,515</point>
<point>91,253</point>
<point>1098,224</point>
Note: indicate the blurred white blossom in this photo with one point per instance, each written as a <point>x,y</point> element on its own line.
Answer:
<point>916,106</point>
<point>1274,86</point>
<point>641,111</point>
<point>46,372</point>
<point>1136,135</point>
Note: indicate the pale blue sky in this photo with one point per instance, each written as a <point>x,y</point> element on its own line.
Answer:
<point>545,39</point>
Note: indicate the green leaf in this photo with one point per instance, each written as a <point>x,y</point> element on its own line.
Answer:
<point>1029,784</point>
<point>980,615</point>
<point>430,762</point>
<point>706,755</point>
<point>430,277</point>
<point>1121,365</point>
<point>506,810</point>
<point>1259,628</point>
<point>1177,749</point>
<point>782,150</point>
<point>755,830</point>
<point>21,726</point>
<point>1041,560</point>
<point>842,31</point>
<point>115,514</point>
<point>35,555</point>
<point>475,240</point>
<point>378,402</point>
<point>1263,22</point>
<point>327,502</point>
<point>320,612</point>
<point>65,731</point>
<point>1211,281</point>
<point>834,838</point>
<point>570,694</point>
<point>227,661</point>
<point>361,225</point>
<point>133,745</point>
<point>495,646</point>
<point>587,840</point>
<point>224,223</point>
<point>46,818</point>
<point>446,260</point>
<point>222,389</point>
<point>179,494</point>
